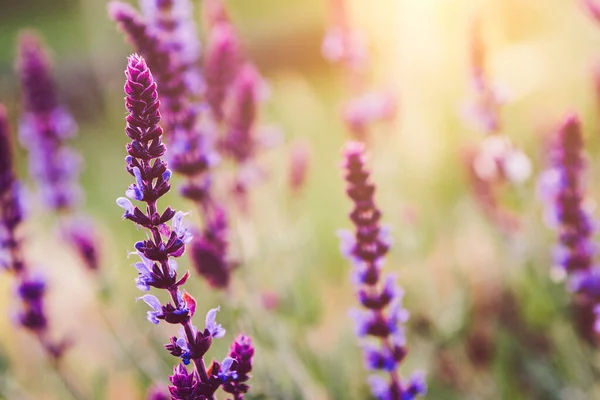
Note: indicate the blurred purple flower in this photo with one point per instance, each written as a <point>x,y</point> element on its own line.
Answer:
<point>562,187</point>
<point>209,251</point>
<point>384,316</point>
<point>173,20</point>
<point>362,112</point>
<point>342,43</point>
<point>221,63</point>
<point>31,287</point>
<point>44,127</point>
<point>81,234</point>
<point>565,197</point>
<point>239,141</point>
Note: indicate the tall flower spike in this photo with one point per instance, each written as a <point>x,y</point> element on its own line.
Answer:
<point>240,142</point>
<point>562,187</point>
<point>158,267</point>
<point>221,62</point>
<point>564,191</point>
<point>30,288</point>
<point>55,167</point>
<point>44,126</point>
<point>383,318</point>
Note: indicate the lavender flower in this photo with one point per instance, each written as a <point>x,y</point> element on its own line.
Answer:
<point>564,192</point>
<point>384,315</point>
<point>157,253</point>
<point>562,188</point>
<point>221,63</point>
<point>55,167</point>
<point>240,142</point>
<point>242,351</point>
<point>31,288</point>
<point>44,126</point>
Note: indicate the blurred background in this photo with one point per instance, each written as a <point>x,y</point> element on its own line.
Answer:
<point>487,321</point>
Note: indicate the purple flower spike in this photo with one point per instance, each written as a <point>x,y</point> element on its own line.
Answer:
<point>209,252</point>
<point>384,317</point>
<point>566,195</point>
<point>30,291</point>
<point>157,267</point>
<point>563,190</point>
<point>220,65</point>
<point>44,126</point>
<point>240,142</point>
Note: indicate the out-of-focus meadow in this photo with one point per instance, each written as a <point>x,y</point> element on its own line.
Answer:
<point>487,321</point>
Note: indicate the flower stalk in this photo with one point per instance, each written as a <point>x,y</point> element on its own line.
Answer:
<point>158,267</point>
<point>380,325</point>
